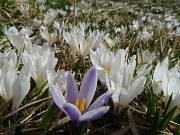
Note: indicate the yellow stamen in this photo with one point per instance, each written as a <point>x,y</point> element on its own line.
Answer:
<point>112,42</point>
<point>109,69</point>
<point>81,106</point>
<point>50,38</point>
<point>76,103</point>
<point>132,76</point>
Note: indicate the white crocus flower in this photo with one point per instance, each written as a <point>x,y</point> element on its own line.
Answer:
<point>123,31</point>
<point>13,86</point>
<point>109,41</point>
<point>41,59</point>
<point>58,27</point>
<point>145,35</point>
<point>146,58</point>
<point>49,37</point>
<point>91,41</point>
<point>135,26</point>
<point>8,59</point>
<point>160,73</point>
<point>125,86</point>
<point>20,89</point>
<point>37,22</point>
<point>74,38</point>
<point>104,60</point>
<point>24,8</point>
<point>15,37</point>
<point>49,16</point>
<point>172,86</point>
<point>7,79</point>
<point>84,48</point>
<point>56,78</point>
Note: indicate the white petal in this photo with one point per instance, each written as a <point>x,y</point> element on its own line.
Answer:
<point>20,89</point>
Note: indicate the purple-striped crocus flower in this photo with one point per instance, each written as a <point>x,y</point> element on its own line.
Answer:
<point>77,106</point>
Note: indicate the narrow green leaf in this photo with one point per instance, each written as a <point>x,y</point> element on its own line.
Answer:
<point>155,122</point>
<point>167,106</point>
<point>48,115</point>
<point>177,132</point>
<point>18,130</point>
<point>149,111</point>
<point>40,89</point>
<point>177,119</point>
<point>167,119</point>
<point>151,107</point>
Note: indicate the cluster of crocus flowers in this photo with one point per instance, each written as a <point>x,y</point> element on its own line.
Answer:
<point>77,105</point>
<point>34,59</point>
<point>104,60</point>
<point>12,85</point>
<point>125,84</point>
<point>81,44</point>
<point>115,71</point>
<point>41,59</point>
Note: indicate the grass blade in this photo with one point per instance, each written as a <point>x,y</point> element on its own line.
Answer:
<point>48,115</point>
<point>167,119</point>
<point>155,122</point>
<point>167,106</point>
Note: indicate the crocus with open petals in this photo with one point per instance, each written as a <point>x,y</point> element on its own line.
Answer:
<point>77,106</point>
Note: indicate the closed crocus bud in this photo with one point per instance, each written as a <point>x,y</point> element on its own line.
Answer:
<point>20,89</point>
<point>160,73</point>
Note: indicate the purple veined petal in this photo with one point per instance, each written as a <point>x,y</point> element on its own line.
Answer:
<point>94,114</point>
<point>101,100</point>
<point>72,90</point>
<point>88,86</point>
<point>72,111</point>
<point>57,95</point>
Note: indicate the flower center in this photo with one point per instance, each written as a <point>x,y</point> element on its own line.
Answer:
<point>112,42</point>
<point>81,106</point>
<point>109,69</point>
<point>50,38</point>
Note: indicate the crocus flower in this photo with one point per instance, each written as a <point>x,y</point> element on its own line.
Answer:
<point>146,58</point>
<point>49,16</point>
<point>145,35</point>
<point>73,39</point>
<point>160,73</point>
<point>105,60</point>
<point>123,31</point>
<point>15,37</point>
<point>24,8</point>
<point>49,37</point>
<point>13,86</point>
<point>41,59</point>
<point>77,106</point>
<point>109,41</point>
<point>171,85</point>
